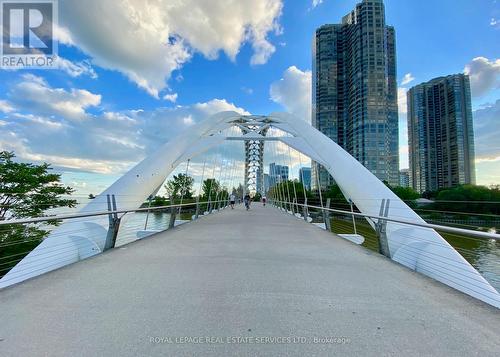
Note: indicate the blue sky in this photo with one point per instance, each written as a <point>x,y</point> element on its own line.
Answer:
<point>124,87</point>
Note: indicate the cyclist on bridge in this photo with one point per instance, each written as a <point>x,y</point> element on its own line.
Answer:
<point>247,200</point>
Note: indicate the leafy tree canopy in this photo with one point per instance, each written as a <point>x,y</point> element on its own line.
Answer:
<point>210,188</point>
<point>180,186</point>
<point>469,198</point>
<point>26,190</point>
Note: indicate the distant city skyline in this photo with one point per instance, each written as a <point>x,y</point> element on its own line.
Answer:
<point>109,105</point>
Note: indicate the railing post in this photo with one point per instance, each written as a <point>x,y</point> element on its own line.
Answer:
<point>210,208</point>
<point>114,223</point>
<point>381,226</point>
<point>147,214</point>
<point>173,213</point>
<point>197,213</point>
<point>352,216</point>
<point>305,210</point>
<point>326,215</point>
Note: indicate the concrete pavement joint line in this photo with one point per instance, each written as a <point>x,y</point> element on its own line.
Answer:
<point>234,272</point>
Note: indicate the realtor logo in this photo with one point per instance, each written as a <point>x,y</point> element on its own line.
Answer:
<point>27,39</point>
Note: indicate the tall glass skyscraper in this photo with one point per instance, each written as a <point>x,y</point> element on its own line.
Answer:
<point>440,133</point>
<point>355,90</point>
<point>278,173</point>
<point>305,177</point>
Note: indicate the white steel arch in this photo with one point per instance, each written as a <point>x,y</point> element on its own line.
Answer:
<point>414,247</point>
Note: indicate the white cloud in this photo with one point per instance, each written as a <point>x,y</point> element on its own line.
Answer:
<point>40,121</point>
<point>403,141</point>
<point>402,100</point>
<point>294,92</point>
<point>35,94</point>
<point>171,97</point>
<point>63,36</point>
<point>188,120</point>
<point>76,69</point>
<point>487,132</point>
<point>119,117</point>
<point>105,142</point>
<point>218,105</point>
<point>408,78</point>
<point>316,3</point>
<point>247,90</point>
<point>5,106</point>
<point>495,23</point>
<point>484,75</point>
<point>149,39</point>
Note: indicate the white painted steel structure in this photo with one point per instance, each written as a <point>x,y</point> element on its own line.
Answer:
<point>421,249</point>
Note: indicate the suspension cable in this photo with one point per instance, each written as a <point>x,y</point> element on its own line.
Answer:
<point>184,188</point>
<point>302,175</point>
<point>293,183</point>
<point>277,177</point>
<point>287,184</point>
<point>209,207</point>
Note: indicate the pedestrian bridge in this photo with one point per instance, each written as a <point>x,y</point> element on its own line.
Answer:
<point>232,282</point>
<point>261,282</point>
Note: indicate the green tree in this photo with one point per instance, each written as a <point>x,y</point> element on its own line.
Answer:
<point>469,199</point>
<point>159,201</point>
<point>238,192</point>
<point>223,194</point>
<point>210,188</point>
<point>335,194</point>
<point>180,186</point>
<point>26,191</point>
<point>406,193</point>
<point>282,189</point>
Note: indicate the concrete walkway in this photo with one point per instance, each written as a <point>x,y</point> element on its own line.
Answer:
<point>242,283</point>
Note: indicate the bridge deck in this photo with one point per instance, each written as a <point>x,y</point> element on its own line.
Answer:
<point>257,274</point>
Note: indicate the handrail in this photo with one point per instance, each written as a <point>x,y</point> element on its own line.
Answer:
<point>98,213</point>
<point>411,223</point>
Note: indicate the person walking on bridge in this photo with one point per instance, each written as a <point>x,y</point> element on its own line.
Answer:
<point>247,200</point>
<point>232,200</point>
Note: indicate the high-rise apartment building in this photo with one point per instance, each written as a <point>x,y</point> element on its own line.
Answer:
<point>267,183</point>
<point>440,134</point>
<point>278,173</point>
<point>404,178</point>
<point>305,177</point>
<point>355,90</point>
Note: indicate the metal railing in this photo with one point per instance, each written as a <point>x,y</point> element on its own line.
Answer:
<point>416,248</point>
<point>13,250</point>
<point>63,217</point>
<point>438,227</point>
